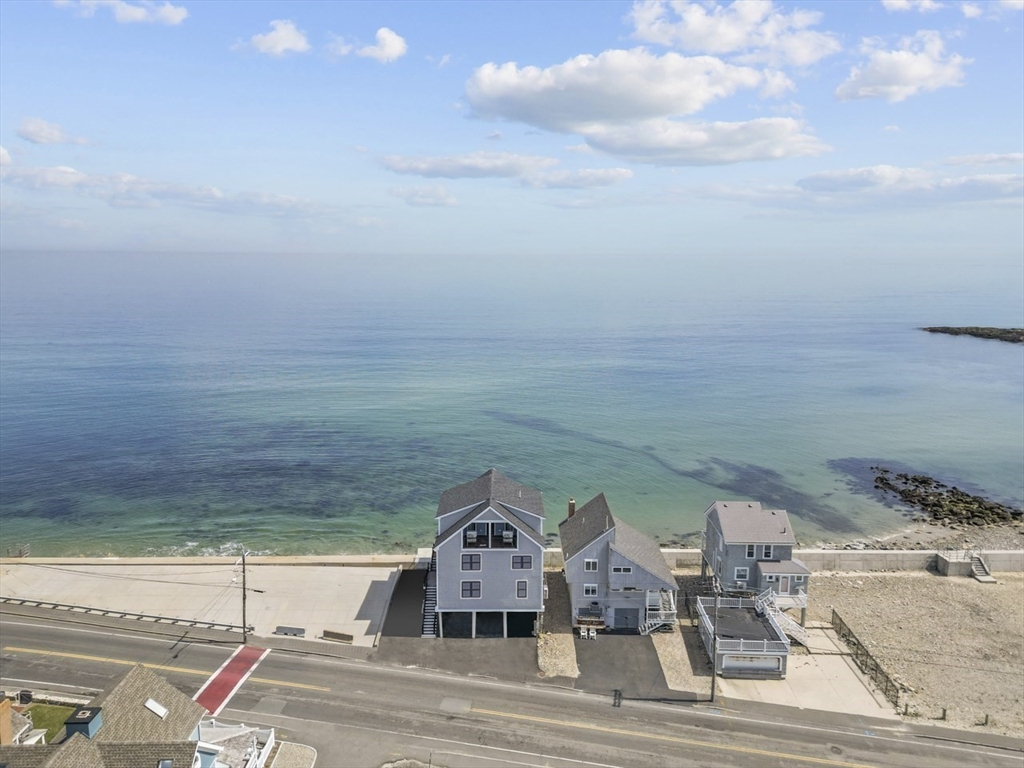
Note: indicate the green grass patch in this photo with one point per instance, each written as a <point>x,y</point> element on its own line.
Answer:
<point>49,716</point>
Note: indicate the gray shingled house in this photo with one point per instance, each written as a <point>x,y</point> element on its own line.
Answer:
<point>144,721</point>
<point>617,576</point>
<point>749,549</point>
<point>487,570</point>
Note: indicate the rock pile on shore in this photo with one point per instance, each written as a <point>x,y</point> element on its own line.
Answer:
<point>943,504</point>
<point>1012,335</point>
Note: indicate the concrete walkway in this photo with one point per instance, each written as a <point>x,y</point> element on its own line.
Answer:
<point>350,600</point>
<point>291,755</point>
<point>826,679</point>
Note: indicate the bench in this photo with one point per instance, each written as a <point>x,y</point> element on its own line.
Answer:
<point>290,631</point>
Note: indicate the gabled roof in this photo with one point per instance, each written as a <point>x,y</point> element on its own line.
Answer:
<point>642,550</point>
<point>491,486</point>
<point>594,519</point>
<point>587,523</point>
<point>126,718</point>
<point>745,522</point>
<point>502,511</point>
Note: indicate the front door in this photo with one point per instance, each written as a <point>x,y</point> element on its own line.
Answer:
<point>784,585</point>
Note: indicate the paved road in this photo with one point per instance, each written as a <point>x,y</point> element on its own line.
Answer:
<point>361,714</point>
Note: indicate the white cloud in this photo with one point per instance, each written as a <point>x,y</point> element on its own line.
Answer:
<point>436,196</point>
<point>1008,158</point>
<point>142,11</point>
<point>626,103</point>
<point>892,129</point>
<point>923,6</point>
<point>755,29</point>
<point>283,38</point>
<point>614,86</point>
<point>920,65</point>
<point>390,46</point>
<point>1013,5</point>
<point>587,178</point>
<point>971,10</point>
<point>668,142</point>
<point>123,190</point>
<point>38,131</point>
<point>887,184</point>
<point>494,136</point>
<point>879,187</point>
<point>475,165</point>
<point>338,46</point>
<point>5,157</point>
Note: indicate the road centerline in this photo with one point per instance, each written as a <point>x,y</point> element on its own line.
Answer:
<point>672,739</point>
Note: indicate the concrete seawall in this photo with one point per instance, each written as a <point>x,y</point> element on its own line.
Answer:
<point>865,560</point>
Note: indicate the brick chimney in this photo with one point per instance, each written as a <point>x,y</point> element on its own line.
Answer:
<point>572,506</point>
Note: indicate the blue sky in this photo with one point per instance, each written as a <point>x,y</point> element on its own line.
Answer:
<point>494,129</point>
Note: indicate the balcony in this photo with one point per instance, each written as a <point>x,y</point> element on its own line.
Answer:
<point>490,536</point>
<point>797,600</point>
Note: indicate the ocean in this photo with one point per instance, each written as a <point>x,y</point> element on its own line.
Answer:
<point>170,404</point>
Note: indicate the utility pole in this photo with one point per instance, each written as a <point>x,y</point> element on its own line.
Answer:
<point>245,625</point>
<point>245,594</point>
<point>714,648</point>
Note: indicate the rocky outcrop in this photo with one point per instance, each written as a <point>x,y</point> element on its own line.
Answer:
<point>941,503</point>
<point>1012,335</point>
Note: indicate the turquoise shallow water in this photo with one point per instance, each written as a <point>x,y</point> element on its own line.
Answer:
<point>185,404</point>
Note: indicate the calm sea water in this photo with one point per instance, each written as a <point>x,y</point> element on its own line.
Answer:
<point>167,404</point>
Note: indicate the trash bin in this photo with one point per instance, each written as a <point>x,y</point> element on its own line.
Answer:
<point>24,697</point>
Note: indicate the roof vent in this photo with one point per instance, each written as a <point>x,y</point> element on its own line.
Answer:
<point>156,708</point>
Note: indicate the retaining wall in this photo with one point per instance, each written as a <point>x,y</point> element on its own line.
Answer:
<point>841,559</point>
<point>676,559</point>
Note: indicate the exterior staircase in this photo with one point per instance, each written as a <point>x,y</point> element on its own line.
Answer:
<point>765,602</point>
<point>663,617</point>
<point>980,571</point>
<point>430,600</point>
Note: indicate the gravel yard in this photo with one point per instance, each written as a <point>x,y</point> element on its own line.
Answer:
<point>556,650</point>
<point>954,642</point>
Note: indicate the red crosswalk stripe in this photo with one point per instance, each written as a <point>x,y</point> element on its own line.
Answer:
<point>222,685</point>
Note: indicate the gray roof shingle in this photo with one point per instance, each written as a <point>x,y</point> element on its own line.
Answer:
<point>588,522</point>
<point>642,550</point>
<point>782,566</point>
<point>595,518</point>
<point>491,486</point>
<point>126,719</point>
<point>745,522</point>
<point>502,511</point>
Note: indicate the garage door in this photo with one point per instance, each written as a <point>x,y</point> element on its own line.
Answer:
<point>752,663</point>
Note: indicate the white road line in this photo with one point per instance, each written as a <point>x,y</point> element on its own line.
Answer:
<point>43,683</point>
<point>248,716</point>
<point>164,640</point>
<point>240,683</point>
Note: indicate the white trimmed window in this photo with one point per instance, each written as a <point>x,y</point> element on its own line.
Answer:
<point>770,577</point>
<point>521,589</point>
<point>742,574</point>
<point>522,562</point>
<point>590,590</point>
<point>750,551</point>
<point>767,551</point>
<point>590,566</point>
<point>471,562</point>
<point>622,569</point>
<point>798,578</point>
<point>471,589</point>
